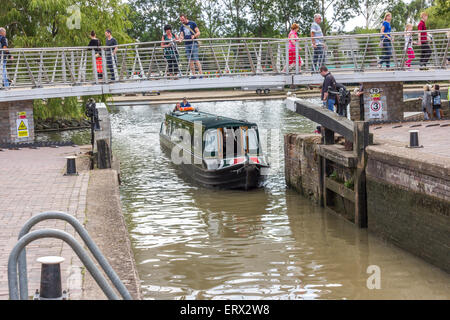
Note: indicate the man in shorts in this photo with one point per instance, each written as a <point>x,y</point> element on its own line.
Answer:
<point>188,32</point>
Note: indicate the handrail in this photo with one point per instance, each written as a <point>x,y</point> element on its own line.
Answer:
<point>218,57</point>
<point>329,37</point>
<point>84,236</point>
<point>62,235</point>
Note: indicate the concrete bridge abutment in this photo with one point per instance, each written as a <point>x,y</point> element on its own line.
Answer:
<point>16,122</point>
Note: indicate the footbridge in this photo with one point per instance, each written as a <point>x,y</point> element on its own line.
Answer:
<point>40,73</point>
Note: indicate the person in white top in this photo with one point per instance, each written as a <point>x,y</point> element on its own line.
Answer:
<point>317,43</point>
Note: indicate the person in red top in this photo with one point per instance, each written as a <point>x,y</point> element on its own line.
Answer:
<point>423,41</point>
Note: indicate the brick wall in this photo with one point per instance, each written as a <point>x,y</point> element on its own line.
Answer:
<point>409,203</point>
<point>8,117</point>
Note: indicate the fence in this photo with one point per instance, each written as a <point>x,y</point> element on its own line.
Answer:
<point>42,67</point>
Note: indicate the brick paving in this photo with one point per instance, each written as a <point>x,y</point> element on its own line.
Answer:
<point>435,138</point>
<point>33,181</point>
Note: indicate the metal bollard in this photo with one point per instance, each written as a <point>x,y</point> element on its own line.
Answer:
<point>50,288</point>
<point>71,166</point>
<point>414,139</point>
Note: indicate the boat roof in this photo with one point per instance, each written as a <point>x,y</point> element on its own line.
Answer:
<point>210,121</point>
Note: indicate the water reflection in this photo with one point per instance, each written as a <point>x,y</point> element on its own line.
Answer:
<point>195,243</point>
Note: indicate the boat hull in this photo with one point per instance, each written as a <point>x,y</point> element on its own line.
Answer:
<point>240,176</point>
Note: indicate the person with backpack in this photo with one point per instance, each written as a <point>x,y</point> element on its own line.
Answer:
<point>436,101</point>
<point>328,88</point>
<point>170,50</point>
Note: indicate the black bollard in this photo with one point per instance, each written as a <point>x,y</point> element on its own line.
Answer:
<point>71,166</point>
<point>413,138</point>
<point>51,278</point>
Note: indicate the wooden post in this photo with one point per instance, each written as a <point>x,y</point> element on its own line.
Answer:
<point>328,136</point>
<point>103,154</point>
<point>361,141</point>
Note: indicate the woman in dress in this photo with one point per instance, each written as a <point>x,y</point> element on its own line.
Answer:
<point>293,35</point>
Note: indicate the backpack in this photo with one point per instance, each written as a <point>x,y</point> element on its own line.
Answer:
<point>344,96</point>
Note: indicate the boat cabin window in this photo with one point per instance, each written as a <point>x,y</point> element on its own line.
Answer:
<point>211,143</point>
<point>252,141</point>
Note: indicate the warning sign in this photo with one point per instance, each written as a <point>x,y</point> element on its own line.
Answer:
<point>376,108</point>
<point>22,128</point>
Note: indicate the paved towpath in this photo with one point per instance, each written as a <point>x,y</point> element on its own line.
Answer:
<point>33,181</point>
<point>433,135</point>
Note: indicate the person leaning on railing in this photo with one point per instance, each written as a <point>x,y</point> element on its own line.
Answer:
<point>96,44</point>
<point>188,32</point>
<point>170,50</point>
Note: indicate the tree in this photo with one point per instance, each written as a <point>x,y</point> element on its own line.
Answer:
<point>438,15</point>
<point>371,10</point>
<point>262,17</point>
<point>150,16</point>
<point>289,11</point>
<point>43,23</point>
<point>235,14</point>
<point>341,11</point>
<point>212,18</point>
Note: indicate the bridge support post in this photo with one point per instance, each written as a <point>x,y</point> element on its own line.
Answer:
<point>16,121</point>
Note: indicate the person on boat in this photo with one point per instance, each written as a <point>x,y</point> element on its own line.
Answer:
<point>186,106</point>
<point>177,107</point>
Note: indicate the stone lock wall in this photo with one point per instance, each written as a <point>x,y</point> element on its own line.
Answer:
<point>9,113</point>
<point>408,202</point>
<point>302,164</point>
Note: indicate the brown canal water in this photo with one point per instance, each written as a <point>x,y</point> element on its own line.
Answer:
<point>195,243</point>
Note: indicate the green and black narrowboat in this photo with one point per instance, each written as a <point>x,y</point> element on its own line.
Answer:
<point>215,151</point>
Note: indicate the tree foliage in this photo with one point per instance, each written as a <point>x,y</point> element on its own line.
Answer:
<point>51,23</point>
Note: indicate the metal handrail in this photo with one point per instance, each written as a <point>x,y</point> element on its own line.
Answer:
<point>219,57</point>
<point>62,235</point>
<point>22,265</point>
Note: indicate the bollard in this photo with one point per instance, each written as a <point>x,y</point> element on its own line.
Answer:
<point>71,166</point>
<point>51,278</point>
<point>414,139</point>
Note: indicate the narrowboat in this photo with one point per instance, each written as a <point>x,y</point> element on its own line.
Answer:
<point>215,151</point>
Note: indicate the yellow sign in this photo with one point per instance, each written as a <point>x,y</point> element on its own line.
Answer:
<point>22,128</point>
<point>22,114</point>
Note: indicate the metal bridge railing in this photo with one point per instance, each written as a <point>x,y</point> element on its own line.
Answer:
<point>42,67</point>
<point>17,258</point>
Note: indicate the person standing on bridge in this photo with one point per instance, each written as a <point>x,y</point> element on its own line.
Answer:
<point>409,45</point>
<point>425,49</point>
<point>329,84</point>
<point>96,44</point>
<point>170,50</point>
<point>317,43</point>
<point>188,32</point>
<point>386,41</point>
<point>111,53</point>
<point>4,56</point>
<point>292,44</point>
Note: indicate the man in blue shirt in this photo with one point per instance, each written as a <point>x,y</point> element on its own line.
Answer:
<point>4,55</point>
<point>188,32</point>
<point>185,103</point>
